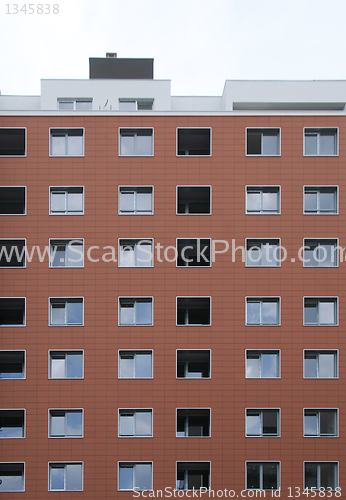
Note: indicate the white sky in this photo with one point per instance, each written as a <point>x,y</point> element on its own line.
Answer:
<point>197,44</point>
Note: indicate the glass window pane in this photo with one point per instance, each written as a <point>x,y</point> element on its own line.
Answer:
<point>143,366</point>
<point>269,365</point>
<point>74,422</point>
<point>127,202</point>
<point>328,476</point>
<point>127,106</point>
<point>143,479</point>
<point>270,202</point>
<point>127,425</point>
<point>270,313</point>
<point>58,202</point>
<point>127,145</point>
<point>143,313</point>
<point>270,477</point>
<point>127,314</point>
<point>311,425</point>
<point>57,478</point>
<point>58,314</point>
<point>74,313</point>
<point>75,202</point>
<point>327,144</point>
<point>268,255</point>
<point>57,368</point>
<point>254,255</point>
<point>126,367</point>
<point>327,423</point>
<point>253,425</point>
<point>253,202</point>
<point>58,143</point>
<point>253,367</point>
<point>59,255</point>
<point>270,144</point>
<point>253,311</point>
<point>73,255</point>
<point>57,425</point>
<point>144,145</point>
<point>144,203</point>
<point>270,422</point>
<point>310,202</point>
<point>65,104</point>
<point>75,145</point>
<point>74,365</point>
<point>11,481</point>
<point>127,256</point>
<point>327,202</point>
<point>326,367</point>
<point>309,256</point>
<point>144,255</point>
<point>310,476</point>
<point>74,477</point>
<point>126,478</point>
<point>310,366</point>
<point>143,423</point>
<point>310,313</point>
<point>327,313</point>
<point>310,144</point>
<point>253,476</point>
<point>83,105</point>
<point>7,431</point>
<point>329,256</point>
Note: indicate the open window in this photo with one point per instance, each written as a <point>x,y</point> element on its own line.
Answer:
<point>193,363</point>
<point>12,141</point>
<point>12,311</point>
<point>12,200</point>
<point>12,364</point>
<point>12,253</point>
<point>135,364</point>
<point>66,364</point>
<point>12,477</point>
<point>136,142</point>
<point>193,252</point>
<point>263,141</point>
<point>194,200</point>
<point>193,422</point>
<point>193,475</point>
<point>12,424</point>
<point>193,311</point>
<point>194,141</point>
<point>66,142</point>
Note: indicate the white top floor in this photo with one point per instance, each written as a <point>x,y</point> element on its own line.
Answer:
<point>146,96</point>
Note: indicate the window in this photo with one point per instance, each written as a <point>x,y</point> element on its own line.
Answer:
<point>66,364</point>
<point>136,253</point>
<point>193,363</point>
<point>320,253</point>
<point>135,311</point>
<point>12,423</point>
<point>263,141</point>
<point>66,476</point>
<point>135,423</point>
<point>193,311</point>
<point>135,364</point>
<point>263,253</point>
<point>12,311</point>
<point>320,142</point>
<point>321,475</point>
<point>11,477</point>
<point>321,423</point>
<point>12,364</point>
<point>66,201</point>
<point>262,364</point>
<point>12,141</point>
<point>322,311</point>
<point>75,104</point>
<point>194,141</point>
<point>262,311</point>
<point>136,104</point>
<point>137,475</point>
<point>194,200</point>
<point>136,200</point>
<point>193,475</point>
<point>262,423</point>
<point>193,422</point>
<point>262,200</point>
<point>136,142</point>
<point>12,200</point>
<point>66,142</point>
<point>66,423</point>
<point>320,200</point>
<point>321,364</point>
<point>262,475</point>
<point>66,253</point>
<point>193,252</point>
<point>65,312</point>
<point>12,253</point>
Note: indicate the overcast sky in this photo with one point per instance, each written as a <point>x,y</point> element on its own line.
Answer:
<point>197,44</point>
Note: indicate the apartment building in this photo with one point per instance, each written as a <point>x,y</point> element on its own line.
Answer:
<point>172,288</point>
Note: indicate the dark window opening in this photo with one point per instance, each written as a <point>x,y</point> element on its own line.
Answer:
<point>193,423</point>
<point>12,142</point>
<point>12,253</point>
<point>194,141</point>
<point>193,252</point>
<point>193,363</point>
<point>12,200</point>
<point>193,200</point>
<point>193,475</point>
<point>193,311</point>
<point>12,312</point>
<point>11,423</point>
<point>12,364</point>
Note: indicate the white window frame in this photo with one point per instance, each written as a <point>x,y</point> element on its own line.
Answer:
<point>193,408</point>
<point>262,242</point>
<point>318,130</point>
<point>136,100</point>
<point>23,476</point>
<point>317,188</point>
<point>194,156</point>
<point>264,351</point>
<point>24,258</point>
<point>261,189</point>
<point>135,351</point>
<point>135,212</point>
<point>17,156</point>
<point>186,475</point>
<point>260,300</point>
<point>335,352</point>
<point>320,299</point>
<point>193,186</point>
<point>65,189</point>
<point>319,435</point>
<point>134,129</point>
<point>66,129</point>
<point>263,128</point>
<point>64,351</point>
<point>188,378</point>
<point>81,410</point>
<point>24,421</point>
<point>135,410</point>
<point>133,463</point>
<point>24,371</point>
<point>66,242</point>
<point>74,101</point>
<point>336,462</point>
<point>25,198</point>
<point>202,260</point>
<point>262,435</point>
<point>24,322</point>
<point>193,297</point>
<point>63,464</point>
<point>320,240</point>
<point>64,300</point>
<point>135,299</point>
<point>134,242</point>
<point>278,462</point>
